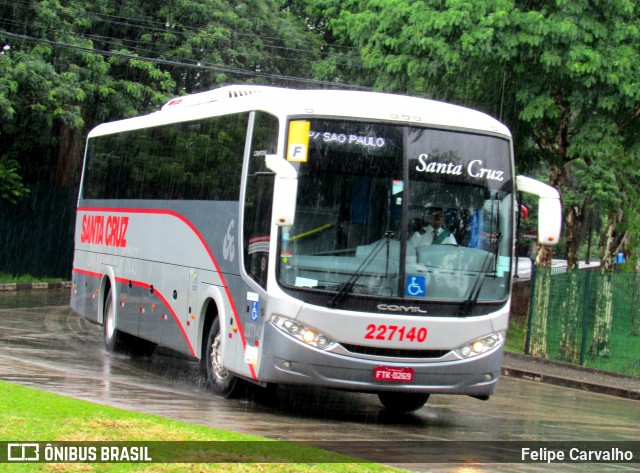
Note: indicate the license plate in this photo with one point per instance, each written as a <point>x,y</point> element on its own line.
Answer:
<point>393,374</point>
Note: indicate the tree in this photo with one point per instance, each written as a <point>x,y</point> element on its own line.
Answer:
<point>563,75</point>
<point>11,186</point>
<point>71,65</point>
<point>59,87</point>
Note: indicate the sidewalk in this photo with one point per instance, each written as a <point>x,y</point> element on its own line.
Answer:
<point>29,286</point>
<point>578,377</point>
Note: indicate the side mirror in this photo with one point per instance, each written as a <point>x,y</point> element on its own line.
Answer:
<point>549,209</point>
<point>285,190</point>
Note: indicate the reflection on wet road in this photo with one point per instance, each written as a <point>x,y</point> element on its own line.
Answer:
<point>45,345</point>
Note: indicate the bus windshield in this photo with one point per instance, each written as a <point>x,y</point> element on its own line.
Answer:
<point>388,211</point>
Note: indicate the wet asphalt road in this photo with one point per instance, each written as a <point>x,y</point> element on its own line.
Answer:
<point>45,345</point>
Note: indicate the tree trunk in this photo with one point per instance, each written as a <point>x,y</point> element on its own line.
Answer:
<point>612,242</point>
<point>544,256</point>
<point>604,317</point>
<point>574,219</point>
<point>541,291</point>
<point>69,162</point>
<point>542,288</point>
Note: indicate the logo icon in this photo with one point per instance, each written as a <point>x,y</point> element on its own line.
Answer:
<point>23,452</point>
<point>229,243</point>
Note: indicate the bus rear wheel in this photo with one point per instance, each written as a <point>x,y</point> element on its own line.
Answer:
<point>403,402</point>
<point>118,342</point>
<point>114,339</point>
<point>221,381</point>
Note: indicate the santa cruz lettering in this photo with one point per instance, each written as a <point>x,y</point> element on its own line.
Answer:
<point>110,230</point>
<point>474,169</point>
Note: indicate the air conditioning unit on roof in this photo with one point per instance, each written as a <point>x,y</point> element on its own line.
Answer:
<point>215,95</point>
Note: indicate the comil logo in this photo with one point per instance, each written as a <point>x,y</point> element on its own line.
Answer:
<point>23,452</point>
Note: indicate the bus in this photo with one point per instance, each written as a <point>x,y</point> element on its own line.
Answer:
<point>276,236</point>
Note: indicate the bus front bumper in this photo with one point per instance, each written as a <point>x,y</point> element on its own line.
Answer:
<point>286,360</point>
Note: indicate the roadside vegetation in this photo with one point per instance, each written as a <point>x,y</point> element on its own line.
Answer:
<point>6,278</point>
<point>30,415</point>
<point>516,335</point>
<point>561,75</point>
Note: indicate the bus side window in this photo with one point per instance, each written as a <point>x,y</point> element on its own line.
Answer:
<point>258,199</point>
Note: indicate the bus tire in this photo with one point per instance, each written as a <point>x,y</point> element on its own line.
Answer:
<point>218,378</point>
<point>403,402</point>
<point>114,340</point>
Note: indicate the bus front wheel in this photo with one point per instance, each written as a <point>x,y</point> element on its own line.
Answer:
<point>403,402</point>
<point>218,378</point>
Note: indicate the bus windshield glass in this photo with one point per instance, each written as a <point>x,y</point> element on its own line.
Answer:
<point>387,211</point>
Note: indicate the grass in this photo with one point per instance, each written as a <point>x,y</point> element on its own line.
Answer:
<point>30,415</point>
<point>25,278</point>
<point>516,335</point>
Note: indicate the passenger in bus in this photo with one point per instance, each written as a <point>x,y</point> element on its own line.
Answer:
<point>434,233</point>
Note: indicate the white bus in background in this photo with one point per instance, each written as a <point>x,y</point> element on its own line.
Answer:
<point>266,232</point>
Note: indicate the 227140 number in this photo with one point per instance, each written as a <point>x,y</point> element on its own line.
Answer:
<point>395,332</point>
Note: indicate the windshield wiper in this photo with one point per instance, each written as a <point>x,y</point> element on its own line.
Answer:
<point>468,305</point>
<point>348,286</point>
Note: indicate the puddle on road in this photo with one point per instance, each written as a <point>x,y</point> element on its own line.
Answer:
<point>54,349</point>
<point>34,298</point>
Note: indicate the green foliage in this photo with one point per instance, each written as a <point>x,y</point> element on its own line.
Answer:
<point>26,278</point>
<point>563,75</point>
<point>11,187</point>
<point>70,65</point>
<point>516,335</point>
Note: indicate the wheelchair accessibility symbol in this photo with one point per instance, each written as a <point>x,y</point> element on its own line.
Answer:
<point>254,310</point>
<point>416,286</point>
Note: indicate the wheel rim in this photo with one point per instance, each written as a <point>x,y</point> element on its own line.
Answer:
<point>216,359</point>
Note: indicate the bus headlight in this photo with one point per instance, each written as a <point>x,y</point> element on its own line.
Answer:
<point>480,346</point>
<point>301,332</point>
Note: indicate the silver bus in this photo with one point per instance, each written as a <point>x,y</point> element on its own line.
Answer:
<point>352,240</point>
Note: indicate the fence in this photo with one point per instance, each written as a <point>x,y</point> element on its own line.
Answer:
<point>586,317</point>
<point>36,234</point>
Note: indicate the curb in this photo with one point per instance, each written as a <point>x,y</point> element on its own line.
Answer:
<point>571,376</point>
<point>571,383</point>
<point>29,286</point>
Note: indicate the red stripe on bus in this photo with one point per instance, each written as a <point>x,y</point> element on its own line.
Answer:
<point>204,244</point>
<point>166,303</point>
<point>87,273</point>
<point>155,292</point>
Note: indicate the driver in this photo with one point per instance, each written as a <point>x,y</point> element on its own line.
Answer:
<point>434,233</point>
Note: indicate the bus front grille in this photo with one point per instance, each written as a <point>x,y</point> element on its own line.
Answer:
<point>394,352</point>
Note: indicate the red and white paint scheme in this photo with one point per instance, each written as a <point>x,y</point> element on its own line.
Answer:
<point>351,240</point>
